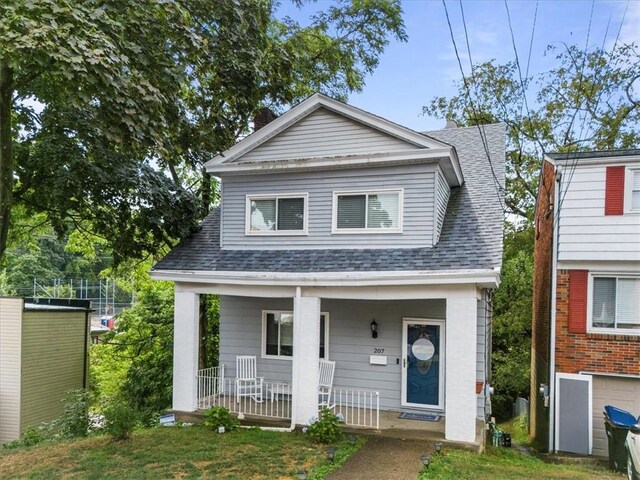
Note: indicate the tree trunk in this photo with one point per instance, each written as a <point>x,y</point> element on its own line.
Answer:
<point>6,153</point>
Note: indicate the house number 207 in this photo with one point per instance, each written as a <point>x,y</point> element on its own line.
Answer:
<point>378,350</point>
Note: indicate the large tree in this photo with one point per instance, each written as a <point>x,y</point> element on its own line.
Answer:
<point>108,108</point>
<point>588,100</point>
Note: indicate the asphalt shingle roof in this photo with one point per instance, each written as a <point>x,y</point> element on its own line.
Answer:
<point>593,154</point>
<point>471,237</point>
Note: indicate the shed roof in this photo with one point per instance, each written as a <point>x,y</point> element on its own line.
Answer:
<point>56,305</point>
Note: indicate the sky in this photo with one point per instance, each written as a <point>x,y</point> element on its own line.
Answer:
<point>410,74</point>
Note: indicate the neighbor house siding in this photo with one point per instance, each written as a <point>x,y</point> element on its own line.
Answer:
<point>350,342</point>
<point>585,232</point>
<point>10,347</point>
<point>441,201</point>
<point>53,359</point>
<point>324,133</point>
<point>417,182</point>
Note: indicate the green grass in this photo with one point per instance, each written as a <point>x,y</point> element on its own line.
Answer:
<point>518,429</point>
<point>177,452</point>
<point>506,464</point>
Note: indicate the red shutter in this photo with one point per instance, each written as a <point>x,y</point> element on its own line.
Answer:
<point>577,301</point>
<point>614,191</point>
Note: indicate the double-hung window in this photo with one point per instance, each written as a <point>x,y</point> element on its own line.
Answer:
<point>367,212</point>
<point>276,214</point>
<point>277,334</point>
<point>634,189</point>
<point>615,304</point>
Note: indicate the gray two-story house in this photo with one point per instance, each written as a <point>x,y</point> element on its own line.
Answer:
<point>342,236</point>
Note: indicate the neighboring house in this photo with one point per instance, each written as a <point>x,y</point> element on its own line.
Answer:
<point>43,355</point>
<point>335,222</point>
<point>586,308</point>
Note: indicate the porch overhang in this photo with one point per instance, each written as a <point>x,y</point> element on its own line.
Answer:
<point>483,278</point>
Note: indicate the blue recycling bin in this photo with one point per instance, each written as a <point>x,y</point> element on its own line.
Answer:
<point>617,423</point>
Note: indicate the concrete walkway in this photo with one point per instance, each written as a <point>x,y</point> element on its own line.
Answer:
<point>384,458</point>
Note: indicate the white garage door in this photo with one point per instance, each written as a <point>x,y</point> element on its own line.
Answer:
<point>620,392</point>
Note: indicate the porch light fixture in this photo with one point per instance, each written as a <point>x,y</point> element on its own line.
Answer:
<point>302,474</point>
<point>374,329</point>
<point>425,460</point>
<point>331,454</point>
<point>438,447</point>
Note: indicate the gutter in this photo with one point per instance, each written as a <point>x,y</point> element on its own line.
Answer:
<point>554,286</point>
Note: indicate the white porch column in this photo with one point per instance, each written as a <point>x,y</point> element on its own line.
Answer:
<point>306,345</point>
<point>460,376</point>
<point>185,351</point>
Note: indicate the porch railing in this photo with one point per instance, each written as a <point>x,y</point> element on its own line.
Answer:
<point>358,408</point>
<point>265,399</point>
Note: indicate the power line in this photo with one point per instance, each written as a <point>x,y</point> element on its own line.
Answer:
<point>497,185</point>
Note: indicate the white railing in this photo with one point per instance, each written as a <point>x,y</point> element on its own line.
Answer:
<point>358,408</point>
<point>264,399</point>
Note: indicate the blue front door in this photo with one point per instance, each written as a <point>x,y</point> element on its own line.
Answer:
<point>422,364</point>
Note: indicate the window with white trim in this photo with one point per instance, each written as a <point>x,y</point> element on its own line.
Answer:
<point>276,214</point>
<point>367,212</point>
<point>615,303</point>
<point>277,334</point>
<point>635,189</point>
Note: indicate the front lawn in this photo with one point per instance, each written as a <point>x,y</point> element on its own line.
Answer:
<point>506,464</point>
<point>175,452</point>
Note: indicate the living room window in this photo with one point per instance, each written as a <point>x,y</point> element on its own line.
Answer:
<point>277,334</point>
<point>614,304</point>
<point>276,214</point>
<point>367,212</point>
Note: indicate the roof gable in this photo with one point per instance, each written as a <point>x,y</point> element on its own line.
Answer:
<point>312,112</point>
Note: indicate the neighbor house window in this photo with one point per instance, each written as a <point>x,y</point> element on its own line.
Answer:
<point>634,189</point>
<point>277,334</point>
<point>615,303</point>
<point>367,212</point>
<point>277,215</point>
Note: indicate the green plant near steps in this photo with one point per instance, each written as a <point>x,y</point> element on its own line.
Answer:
<point>217,417</point>
<point>120,419</point>
<point>327,428</point>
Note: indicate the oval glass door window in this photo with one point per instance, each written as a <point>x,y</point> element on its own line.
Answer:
<point>423,349</point>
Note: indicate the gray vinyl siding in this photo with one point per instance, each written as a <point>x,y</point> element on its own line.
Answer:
<point>350,342</point>
<point>53,362</point>
<point>441,201</point>
<point>417,182</point>
<point>324,133</point>
<point>10,367</point>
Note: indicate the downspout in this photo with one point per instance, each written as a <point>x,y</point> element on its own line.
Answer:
<point>554,286</point>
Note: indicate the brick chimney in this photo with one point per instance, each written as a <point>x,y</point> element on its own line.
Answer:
<point>263,116</point>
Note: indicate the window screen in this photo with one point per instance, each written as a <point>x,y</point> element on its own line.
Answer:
<point>604,302</point>
<point>635,190</point>
<point>263,215</point>
<point>628,303</point>
<point>383,210</point>
<point>290,213</point>
<point>351,211</point>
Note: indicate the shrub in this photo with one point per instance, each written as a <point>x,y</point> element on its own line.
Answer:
<point>120,419</point>
<point>74,420</point>
<point>31,436</point>
<point>327,428</point>
<point>217,417</point>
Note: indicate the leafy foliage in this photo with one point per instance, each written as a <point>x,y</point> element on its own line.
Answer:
<point>74,420</point>
<point>327,428</point>
<point>588,100</point>
<point>137,94</point>
<point>120,419</point>
<point>217,417</point>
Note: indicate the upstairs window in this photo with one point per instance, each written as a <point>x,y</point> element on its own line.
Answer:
<point>634,189</point>
<point>367,212</point>
<point>615,303</point>
<point>276,214</point>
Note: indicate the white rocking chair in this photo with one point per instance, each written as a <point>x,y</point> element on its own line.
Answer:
<point>325,384</point>
<point>247,383</point>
